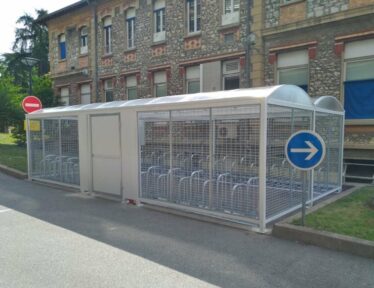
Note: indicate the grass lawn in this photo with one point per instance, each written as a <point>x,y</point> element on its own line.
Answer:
<point>350,215</point>
<point>11,155</point>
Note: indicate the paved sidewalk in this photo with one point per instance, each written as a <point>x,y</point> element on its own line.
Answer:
<point>54,238</point>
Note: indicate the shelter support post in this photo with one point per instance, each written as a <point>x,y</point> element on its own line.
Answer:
<point>262,167</point>
<point>28,141</point>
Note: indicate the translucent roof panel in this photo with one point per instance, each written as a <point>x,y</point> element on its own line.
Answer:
<point>290,95</point>
<point>286,94</point>
<point>328,103</point>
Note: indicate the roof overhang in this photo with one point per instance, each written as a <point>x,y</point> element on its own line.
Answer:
<point>64,11</point>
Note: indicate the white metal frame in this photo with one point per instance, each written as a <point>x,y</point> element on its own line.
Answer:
<point>129,110</point>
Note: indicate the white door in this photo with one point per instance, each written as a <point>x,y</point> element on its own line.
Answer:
<point>106,154</point>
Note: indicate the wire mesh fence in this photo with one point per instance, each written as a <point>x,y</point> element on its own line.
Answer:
<point>284,183</point>
<point>54,151</point>
<point>327,175</point>
<point>203,158</point>
<point>209,158</point>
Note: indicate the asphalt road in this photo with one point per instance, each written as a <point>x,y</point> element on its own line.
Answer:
<point>55,238</point>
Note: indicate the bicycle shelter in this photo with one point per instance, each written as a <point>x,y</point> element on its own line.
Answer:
<point>219,154</point>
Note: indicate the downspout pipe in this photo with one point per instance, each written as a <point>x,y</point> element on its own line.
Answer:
<point>247,43</point>
<point>95,39</point>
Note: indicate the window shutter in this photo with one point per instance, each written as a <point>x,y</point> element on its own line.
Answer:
<point>193,72</point>
<point>231,67</point>
<point>359,49</point>
<point>294,58</point>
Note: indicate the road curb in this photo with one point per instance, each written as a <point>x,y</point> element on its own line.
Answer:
<point>13,172</point>
<point>333,241</point>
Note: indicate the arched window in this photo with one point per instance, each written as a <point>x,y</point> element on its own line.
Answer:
<point>62,46</point>
<point>84,40</point>
<point>130,23</point>
<point>107,35</point>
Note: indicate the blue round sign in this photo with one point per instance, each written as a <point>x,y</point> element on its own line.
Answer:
<point>305,150</point>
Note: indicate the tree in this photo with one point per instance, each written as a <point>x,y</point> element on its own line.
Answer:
<point>10,99</point>
<point>43,89</point>
<point>32,39</point>
<point>16,69</point>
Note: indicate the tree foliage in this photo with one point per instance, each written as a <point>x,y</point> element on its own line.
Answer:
<point>31,40</point>
<point>10,99</point>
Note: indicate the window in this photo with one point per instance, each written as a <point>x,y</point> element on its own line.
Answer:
<point>230,12</point>
<point>231,74</point>
<point>108,90</point>
<point>130,23</point>
<point>231,6</point>
<point>193,15</point>
<point>284,2</point>
<point>64,94</point>
<point>159,84</point>
<point>159,20</point>
<point>62,46</point>
<point>193,79</point>
<point>84,40</point>
<point>131,88</point>
<point>85,94</point>
<point>107,35</point>
<point>229,38</point>
<point>292,68</point>
<point>359,79</point>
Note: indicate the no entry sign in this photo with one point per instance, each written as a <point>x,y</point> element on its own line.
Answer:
<point>31,104</point>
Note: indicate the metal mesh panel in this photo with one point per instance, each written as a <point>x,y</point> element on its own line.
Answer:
<point>190,145</point>
<point>235,161</point>
<point>154,142</point>
<point>54,153</point>
<point>283,182</point>
<point>203,158</point>
<point>51,141</point>
<point>36,149</point>
<point>69,159</point>
<point>327,174</point>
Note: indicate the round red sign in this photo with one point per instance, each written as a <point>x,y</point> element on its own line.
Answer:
<point>31,104</point>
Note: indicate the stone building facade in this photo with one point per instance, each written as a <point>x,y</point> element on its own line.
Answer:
<point>309,43</point>
<point>175,60</point>
<point>325,47</point>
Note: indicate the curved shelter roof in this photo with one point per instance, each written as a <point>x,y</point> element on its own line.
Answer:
<point>328,103</point>
<point>285,95</point>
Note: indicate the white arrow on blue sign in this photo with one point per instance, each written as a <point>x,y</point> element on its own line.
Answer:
<point>305,150</point>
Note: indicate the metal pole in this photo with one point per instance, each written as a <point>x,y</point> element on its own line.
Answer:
<point>212,147</point>
<point>311,173</point>
<point>29,149</point>
<point>60,149</point>
<point>262,166</point>
<point>304,196</point>
<point>30,81</point>
<point>170,182</point>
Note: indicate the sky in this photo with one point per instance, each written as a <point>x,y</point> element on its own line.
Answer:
<point>14,9</point>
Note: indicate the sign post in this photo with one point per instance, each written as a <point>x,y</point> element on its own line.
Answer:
<point>305,150</point>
